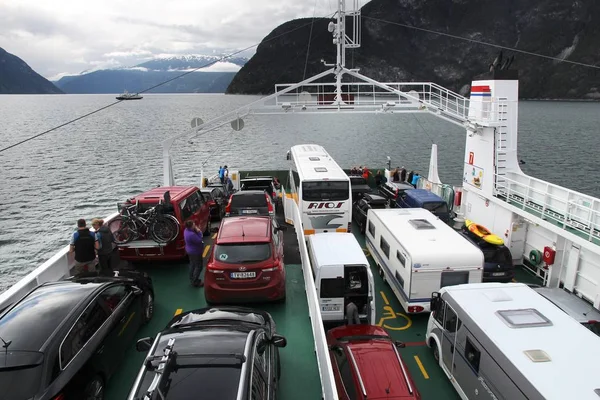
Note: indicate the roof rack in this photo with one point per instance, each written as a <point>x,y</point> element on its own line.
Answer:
<point>168,363</point>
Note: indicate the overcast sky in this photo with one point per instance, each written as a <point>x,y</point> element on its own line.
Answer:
<point>70,36</point>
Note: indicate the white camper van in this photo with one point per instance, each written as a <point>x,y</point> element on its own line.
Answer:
<point>342,274</point>
<point>505,341</point>
<point>417,254</point>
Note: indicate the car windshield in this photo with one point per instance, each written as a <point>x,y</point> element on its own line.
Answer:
<point>256,184</point>
<point>377,206</point>
<point>497,255</point>
<point>325,191</point>
<point>242,252</point>
<point>249,200</point>
<point>357,180</point>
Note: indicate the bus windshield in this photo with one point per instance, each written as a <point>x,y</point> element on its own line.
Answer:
<point>325,191</point>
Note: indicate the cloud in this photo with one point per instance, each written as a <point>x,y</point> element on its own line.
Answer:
<point>70,36</point>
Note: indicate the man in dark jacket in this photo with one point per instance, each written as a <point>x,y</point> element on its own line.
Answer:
<point>104,238</point>
<point>84,245</point>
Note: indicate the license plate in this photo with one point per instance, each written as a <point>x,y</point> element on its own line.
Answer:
<point>498,273</point>
<point>249,211</point>
<point>243,275</point>
<point>330,308</point>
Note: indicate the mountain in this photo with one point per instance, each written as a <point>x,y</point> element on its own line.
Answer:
<point>150,73</point>
<point>394,53</point>
<point>16,77</point>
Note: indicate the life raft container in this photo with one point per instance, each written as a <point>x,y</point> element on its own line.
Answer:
<point>482,232</point>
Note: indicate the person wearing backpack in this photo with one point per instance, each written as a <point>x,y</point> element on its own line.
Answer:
<point>104,240</point>
<point>84,245</point>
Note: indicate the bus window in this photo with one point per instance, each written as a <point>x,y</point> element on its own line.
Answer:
<point>326,191</point>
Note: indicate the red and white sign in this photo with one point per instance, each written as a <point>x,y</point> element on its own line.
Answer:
<point>471,158</point>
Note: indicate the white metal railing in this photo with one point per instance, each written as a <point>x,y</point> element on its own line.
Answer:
<point>314,308</point>
<point>443,190</point>
<point>566,208</point>
<point>56,268</point>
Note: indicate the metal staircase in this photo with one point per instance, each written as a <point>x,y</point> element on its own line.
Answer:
<point>500,152</point>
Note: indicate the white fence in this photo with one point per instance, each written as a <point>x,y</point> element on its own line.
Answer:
<point>314,310</point>
<point>56,268</point>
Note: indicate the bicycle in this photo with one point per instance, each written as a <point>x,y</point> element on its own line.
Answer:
<point>130,225</point>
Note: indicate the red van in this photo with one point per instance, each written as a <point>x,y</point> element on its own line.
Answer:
<point>355,350</point>
<point>246,262</point>
<point>185,203</point>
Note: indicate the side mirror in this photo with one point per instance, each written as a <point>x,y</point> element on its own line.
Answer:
<point>435,300</point>
<point>400,344</point>
<point>282,228</point>
<point>144,344</point>
<point>278,340</point>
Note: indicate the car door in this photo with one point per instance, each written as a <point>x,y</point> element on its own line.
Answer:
<point>200,210</point>
<point>260,387</point>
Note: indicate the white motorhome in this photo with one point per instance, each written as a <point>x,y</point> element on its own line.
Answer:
<point>417,254</point>
<point>342,274</point>
<point>505,341</point>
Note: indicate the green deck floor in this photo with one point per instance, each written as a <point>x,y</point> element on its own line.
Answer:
<point>300,375</point>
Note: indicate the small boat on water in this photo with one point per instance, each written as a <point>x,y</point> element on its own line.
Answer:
<point>482,232</point>
<point>129,96</point>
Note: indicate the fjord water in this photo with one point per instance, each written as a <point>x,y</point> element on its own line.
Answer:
<point>84,169</point>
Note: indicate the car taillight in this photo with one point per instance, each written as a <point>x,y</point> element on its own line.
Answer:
<point>276,265</point>
<point>349,227</point>
<point>412,309</point>
<point>270,205</point>
<point>274,195</point>
<point>59,397</point>
<point>210,268</point>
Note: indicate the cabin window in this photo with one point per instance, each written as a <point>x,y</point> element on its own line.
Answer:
<point>385,247</point>
<point>372,229</point>
<point>473,355</point>
<point>400,280</point>
<point>451,321</point>
<point>438,313</point>
<point>401,258</point>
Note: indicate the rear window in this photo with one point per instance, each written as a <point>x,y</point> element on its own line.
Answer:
<point>357,180</point>
<point>436,207</point>
<point>332,288</point>
<point>22,383</point>
<point>253,185</point>
<point>377,206</point>
<point>497,255</point>
<point>242,253</point>
<point>249,200</point>
<point>325,191</point>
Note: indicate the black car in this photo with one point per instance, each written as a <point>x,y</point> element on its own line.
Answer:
<point>393,190</point>
<point>362,206</point>
<point>64,339</point>
<point>249,202</point>
<point>498,265</point>
<point>217,200</point>
<point>266,183</point>
<point>230,353</point>
<point>359,186</point>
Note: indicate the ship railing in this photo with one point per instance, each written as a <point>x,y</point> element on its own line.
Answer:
<point>57,267</point>
<point>568,209</point>
<point>314,308</point>
<point>392,97</point>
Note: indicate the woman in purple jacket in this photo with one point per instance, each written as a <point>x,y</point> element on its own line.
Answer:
<point>194,245</point>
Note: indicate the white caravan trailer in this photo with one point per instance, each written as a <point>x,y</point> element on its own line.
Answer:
<point>505,341</point>
<point>342,274</point>
<point>417,254</point>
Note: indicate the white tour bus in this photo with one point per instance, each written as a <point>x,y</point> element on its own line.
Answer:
<point>342,275</point>
<point>321,189</point>
<point>417,254</point>
<point>505,341</point>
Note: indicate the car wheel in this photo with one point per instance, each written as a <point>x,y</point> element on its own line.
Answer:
<point>94,390</point>
<point>148,305</point>
<point>436,352</point>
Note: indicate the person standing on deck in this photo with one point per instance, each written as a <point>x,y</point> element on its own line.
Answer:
<point>402,174</point>
<point>415,179</point>
<point>378,178</point>
<point>222,174</point>
<point>366,173</point>
<point>229,185</point>
<point>351,313</point>
<point>194,246</point>
<point>104,238</point>
<point>84,245</point>
<point>410,177</point>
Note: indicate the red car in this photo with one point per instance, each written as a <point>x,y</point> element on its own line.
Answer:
<point>186,202</point>
<point>367,365</point>
<point>246,262</point>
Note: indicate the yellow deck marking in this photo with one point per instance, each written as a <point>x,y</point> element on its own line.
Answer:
<point>179,311</point>
<point>390,314</point>
<point>206,250</point>
<point>126,323</point>
<point>421,367</point>
<point>385,300</point>
<point>214,236</point>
